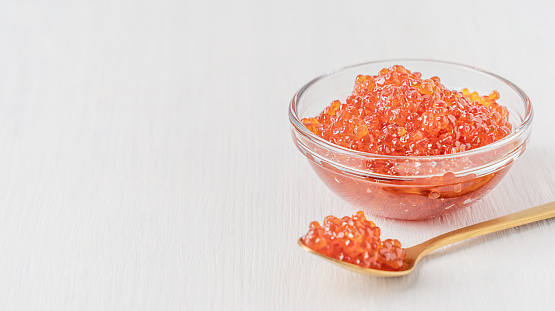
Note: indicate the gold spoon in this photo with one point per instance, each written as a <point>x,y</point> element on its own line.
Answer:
<point>415,253</point>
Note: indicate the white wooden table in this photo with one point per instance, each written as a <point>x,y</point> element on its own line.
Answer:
<point>147,161</point>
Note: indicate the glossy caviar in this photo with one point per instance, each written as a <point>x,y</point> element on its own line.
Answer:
<point>398,113</point>
<point>355,240</point>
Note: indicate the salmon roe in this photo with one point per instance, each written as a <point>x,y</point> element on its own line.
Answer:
<point>398,113</point>
<point>355,240</point>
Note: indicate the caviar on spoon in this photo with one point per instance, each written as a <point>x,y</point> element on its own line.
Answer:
<point>343,242</point>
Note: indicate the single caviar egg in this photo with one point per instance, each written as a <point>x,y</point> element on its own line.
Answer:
<point>355,240</point>
<point>396,112</point>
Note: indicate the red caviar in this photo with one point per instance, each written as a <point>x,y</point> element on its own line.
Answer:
<point>355,240</point>
<point>398,113</point>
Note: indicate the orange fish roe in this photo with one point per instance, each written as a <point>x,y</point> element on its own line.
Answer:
<point>355,240</point>
<point>398,113</point>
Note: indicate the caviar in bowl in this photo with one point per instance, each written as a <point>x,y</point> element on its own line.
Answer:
<point>410,187</point>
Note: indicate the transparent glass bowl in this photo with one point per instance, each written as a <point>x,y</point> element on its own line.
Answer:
<point>421,187</point>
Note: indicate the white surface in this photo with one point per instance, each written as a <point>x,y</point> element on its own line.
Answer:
<point>147,161</point>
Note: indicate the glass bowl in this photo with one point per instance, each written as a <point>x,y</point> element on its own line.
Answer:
<point>420,187</point>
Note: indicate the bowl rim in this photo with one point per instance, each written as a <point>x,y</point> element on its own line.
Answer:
<point>514,135</point>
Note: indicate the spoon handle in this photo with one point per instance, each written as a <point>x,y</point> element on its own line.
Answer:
<point>505,222</point>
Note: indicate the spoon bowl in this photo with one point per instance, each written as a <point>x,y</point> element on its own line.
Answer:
<point>415,253</point>
<point>408,265</point>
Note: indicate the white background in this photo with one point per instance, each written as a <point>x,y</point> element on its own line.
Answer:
<point>147,162</point>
